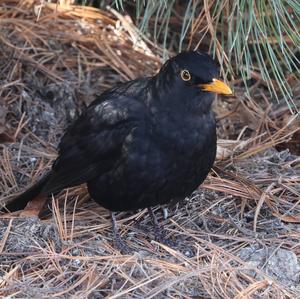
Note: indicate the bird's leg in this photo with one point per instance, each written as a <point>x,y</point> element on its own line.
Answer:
<point>158,232</point>
<point>118,242</point>
<point>114,227</point>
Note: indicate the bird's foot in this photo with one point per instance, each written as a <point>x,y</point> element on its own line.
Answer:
<point>118,242</point>
<point>162,238</point>
<point>159,232</point>
<point>121,246</point>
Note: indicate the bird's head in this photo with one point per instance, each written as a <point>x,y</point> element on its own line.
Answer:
<point>192,77</point>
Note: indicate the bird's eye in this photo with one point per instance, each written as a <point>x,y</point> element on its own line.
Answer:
<point>185,75</point>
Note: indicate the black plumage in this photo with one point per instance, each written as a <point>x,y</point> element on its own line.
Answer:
<point>144,142</point>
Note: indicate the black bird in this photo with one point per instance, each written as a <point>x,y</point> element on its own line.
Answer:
<point>142,143</point>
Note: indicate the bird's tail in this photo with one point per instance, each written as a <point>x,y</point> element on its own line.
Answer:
<point>21,201</point>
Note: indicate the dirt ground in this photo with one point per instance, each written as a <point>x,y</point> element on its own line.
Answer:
<point>237,236</point>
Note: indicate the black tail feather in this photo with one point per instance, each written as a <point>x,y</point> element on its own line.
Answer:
<point>21,201</point>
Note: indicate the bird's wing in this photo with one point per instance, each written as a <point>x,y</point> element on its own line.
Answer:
<point>93,144</point>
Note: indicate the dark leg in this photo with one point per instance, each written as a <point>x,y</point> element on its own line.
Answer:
<point>158,231</point>
<point>118,242</point>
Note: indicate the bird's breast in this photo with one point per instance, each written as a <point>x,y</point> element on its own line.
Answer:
<point>181,147</point>
<point>187,134</point>
<point>157,167</point>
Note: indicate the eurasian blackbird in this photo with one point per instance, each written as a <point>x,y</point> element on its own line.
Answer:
<point>142,143</point>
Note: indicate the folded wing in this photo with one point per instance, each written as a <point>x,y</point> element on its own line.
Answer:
<point>93,144</point>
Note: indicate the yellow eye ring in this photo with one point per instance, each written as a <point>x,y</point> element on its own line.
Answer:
<point>185,75</point>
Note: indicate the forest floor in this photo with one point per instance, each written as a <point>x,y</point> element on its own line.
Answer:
<point>237,236</point>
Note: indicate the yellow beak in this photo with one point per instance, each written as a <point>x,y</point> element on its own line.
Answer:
<point>217,86</point>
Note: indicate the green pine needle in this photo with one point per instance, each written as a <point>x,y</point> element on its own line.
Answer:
<point>255,36</point>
